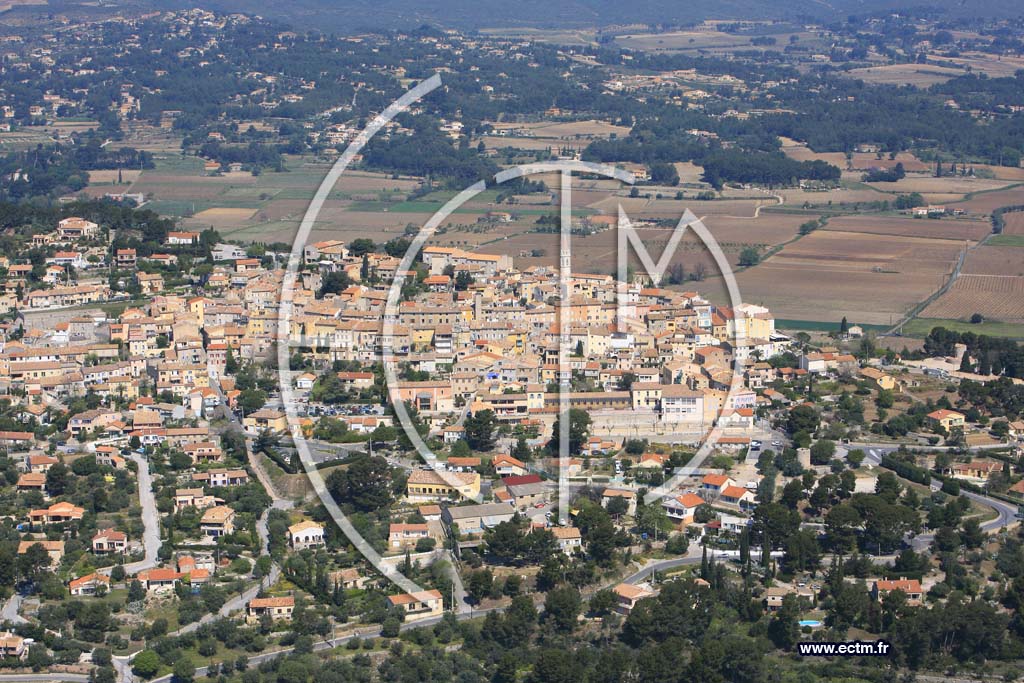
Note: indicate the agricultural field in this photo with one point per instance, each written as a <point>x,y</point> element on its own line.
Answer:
<point>995,66</point>
<point>996,257</point>
<point>801,152</point>
<point>562,130</point>
<point>947,188</point>
<point>706,39</point>
<point>597,252</point>
<point>1014,224</point>
<point>264,208</point>
<point>544,135</point>
<point>870,268</point>
<point>946,228</point>
<point>559,37</point>
<point>997,297</point>
<point>109,177</point>
<point>858,161</point>
<point>920,75</point>
<point>527,144</point>
<point>862,161</point>
<point>1007,241</point>
<point>869,278</point>
<point>987,202</point>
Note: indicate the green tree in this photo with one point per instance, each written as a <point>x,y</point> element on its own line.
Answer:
<point>602,603</point>
<point>803,418</point>
<point>251,400</point>
<point>479,584</point>
<point>783,629</point>
<point>750,256</point>
<point>230,364</point>
<point>822,451</point>
<point>522,451</point>
<point>579,430</point>
<point>365,485</point>
<point>57,479</point>
<point>562,607</point>
<point>33,562</point>
<point>802,552</point>
<point>480,430</point>
<point>184,671</point>
<point>841,525</point>
<point>146,664</point>
<point>136,591</point>
<point>664,174</point>
<point>652,520</point>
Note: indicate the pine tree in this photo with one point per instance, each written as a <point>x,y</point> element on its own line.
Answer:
<point>965,363</point>
<point>522,450</point>
<point>230,364</point>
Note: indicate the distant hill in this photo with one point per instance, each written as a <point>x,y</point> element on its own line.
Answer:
<point>349,16</point>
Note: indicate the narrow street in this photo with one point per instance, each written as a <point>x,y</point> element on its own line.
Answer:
<point>150,518</point>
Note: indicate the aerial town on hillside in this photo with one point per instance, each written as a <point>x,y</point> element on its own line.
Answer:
<point>150,458</point>
<point>433,433</point>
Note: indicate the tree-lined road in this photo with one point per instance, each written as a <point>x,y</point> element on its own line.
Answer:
<point>1006,513</point>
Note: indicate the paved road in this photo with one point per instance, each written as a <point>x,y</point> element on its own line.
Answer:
<point>1006,513</point>
<point>123,663</point>
<point>42,678</point>
<point>150,518</point>
<point>9,612</point>
<point>321,451</point>
<point>693,556</point>
<point>461,597</point>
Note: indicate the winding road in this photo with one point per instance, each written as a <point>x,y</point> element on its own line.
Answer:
<point>1006,513</point>
<point>1005,516</point>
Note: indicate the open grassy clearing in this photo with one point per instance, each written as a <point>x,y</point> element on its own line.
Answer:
<point>1007,241</point>
<point>822,325</point>
<point>920,327</point>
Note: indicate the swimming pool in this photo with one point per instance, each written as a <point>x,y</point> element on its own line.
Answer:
<point>813,623</point>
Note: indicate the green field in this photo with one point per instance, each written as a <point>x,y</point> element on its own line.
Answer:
<point>823,326</point>
<point>1006,240</point>
<point>920,327</point>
